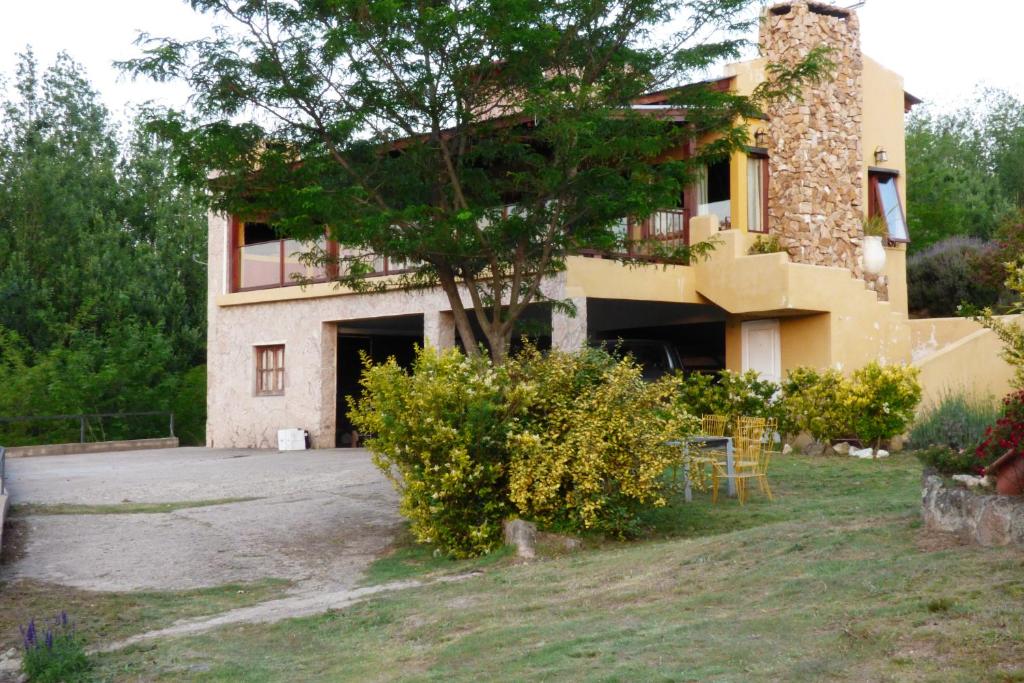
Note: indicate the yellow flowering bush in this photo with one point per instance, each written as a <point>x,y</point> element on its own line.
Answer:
<point>813,402</point>
<point>881,401</point>
<point>590,451</point>
<point>439,433</point>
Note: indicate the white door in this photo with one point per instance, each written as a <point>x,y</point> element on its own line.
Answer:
<point>762,348</point>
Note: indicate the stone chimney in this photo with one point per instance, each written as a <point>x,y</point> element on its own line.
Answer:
<point>815,152</point>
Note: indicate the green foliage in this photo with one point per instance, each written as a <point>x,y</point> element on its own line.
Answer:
<point>189,406</point>
<point>952,272</point>
<point>483,103</point>
<point>734,394</point>
<point>102,273</point>
<point>765,245</point>
<point>575,441</point>
<point>53,652</point>
<point>439,432</point>
<point>813,402</point>
<point>948,460</point>
<point>1009,331</point>
<point>591,451</point>
<point>875,226</point>
<point>881,400</point>
<point>958,421</point>
<point>954,182</point>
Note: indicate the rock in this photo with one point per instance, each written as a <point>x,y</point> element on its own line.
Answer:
<point>971,481</point>
<point>842,448</point>
<point>814,448</point>
<point>787,449</point>
<point>523,535</point>
<point>865,453</point>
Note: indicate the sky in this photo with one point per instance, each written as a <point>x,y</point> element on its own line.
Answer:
<point>944,49</point>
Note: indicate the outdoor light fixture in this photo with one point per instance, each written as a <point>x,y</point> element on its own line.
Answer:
<point>881,156</point>
<point>761,138</point>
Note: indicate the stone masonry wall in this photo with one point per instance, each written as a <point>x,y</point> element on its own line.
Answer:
<point>977,518</point>
<point>816,160</point>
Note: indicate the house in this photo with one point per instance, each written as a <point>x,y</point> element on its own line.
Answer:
<point>281,355</point>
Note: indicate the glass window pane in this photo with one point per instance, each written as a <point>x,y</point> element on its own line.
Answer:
<point>889,204</point>
<point>259,264</point>
<point>755,194</point>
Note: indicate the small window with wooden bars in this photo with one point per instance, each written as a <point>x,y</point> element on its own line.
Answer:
<point>270,370</point>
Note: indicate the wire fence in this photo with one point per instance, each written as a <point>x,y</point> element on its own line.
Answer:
<point>34,430</point>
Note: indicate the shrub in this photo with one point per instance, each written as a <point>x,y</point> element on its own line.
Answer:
<point>591,451</point>
<point>734,394</point>
<point>765,245</point>
<point>54,655</point>
<point>949,460</point>
<point>1010,333</point>
<point>957,421</point>
<point>812,402</point>
<point>954,271</point>
<point>881,400</point>
<point>439,433</point>
<point>1006,434</point>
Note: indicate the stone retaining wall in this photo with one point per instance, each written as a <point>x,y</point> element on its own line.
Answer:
<point>978,518</point>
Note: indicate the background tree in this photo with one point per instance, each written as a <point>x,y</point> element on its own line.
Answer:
<point>102,280</point>
<point>404,127</point>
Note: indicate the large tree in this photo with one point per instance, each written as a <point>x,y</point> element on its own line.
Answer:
<point>102,279</point>
<point>404,127</point>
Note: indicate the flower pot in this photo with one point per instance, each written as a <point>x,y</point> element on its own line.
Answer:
<point>1009,473</point>
<point>873,258</point>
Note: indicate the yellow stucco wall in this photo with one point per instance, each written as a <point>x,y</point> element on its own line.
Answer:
<point>971,365</point>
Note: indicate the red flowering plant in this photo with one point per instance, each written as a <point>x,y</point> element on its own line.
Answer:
<point>1006,434</point>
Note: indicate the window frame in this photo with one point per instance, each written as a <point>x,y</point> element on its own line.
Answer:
<point>277,370</point>
<point>875,204</point>
<point>762,155</point>
<point>236,225</point>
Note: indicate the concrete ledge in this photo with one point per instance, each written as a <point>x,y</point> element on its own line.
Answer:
<point>95,447</point>
<point>978,518</point>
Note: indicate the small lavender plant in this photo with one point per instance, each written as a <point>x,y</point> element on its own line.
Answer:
<point>57,654</point>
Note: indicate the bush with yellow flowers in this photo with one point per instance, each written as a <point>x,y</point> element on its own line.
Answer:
<point>813,403</point>
<point>439,433</point>
<point>592,449</point>
<point>881,401</point>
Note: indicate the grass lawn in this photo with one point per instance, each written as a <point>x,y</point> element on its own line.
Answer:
<point>102,617</point>
<point>836,580</point>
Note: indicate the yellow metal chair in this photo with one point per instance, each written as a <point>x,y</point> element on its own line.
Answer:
<point>750,461</point>
<point>710,425</point>
<point>713,425</point>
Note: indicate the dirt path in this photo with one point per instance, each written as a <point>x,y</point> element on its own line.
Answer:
<point>299,605</point>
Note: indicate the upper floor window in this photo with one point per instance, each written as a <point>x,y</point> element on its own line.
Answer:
<point>713,193</point>
<point>261,259</point>
<point>757,193</point>
<point>884,201</point>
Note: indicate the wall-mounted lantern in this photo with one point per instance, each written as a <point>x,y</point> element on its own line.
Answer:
<point>761,138</point>
<point>881,156</point>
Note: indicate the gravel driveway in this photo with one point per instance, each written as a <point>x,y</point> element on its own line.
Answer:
<point>319,518</point>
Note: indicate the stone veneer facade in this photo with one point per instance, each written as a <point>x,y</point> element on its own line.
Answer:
<point>816,165</point>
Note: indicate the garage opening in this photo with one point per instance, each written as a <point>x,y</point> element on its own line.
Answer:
<point>380,339</point>
<point>696,333</point>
